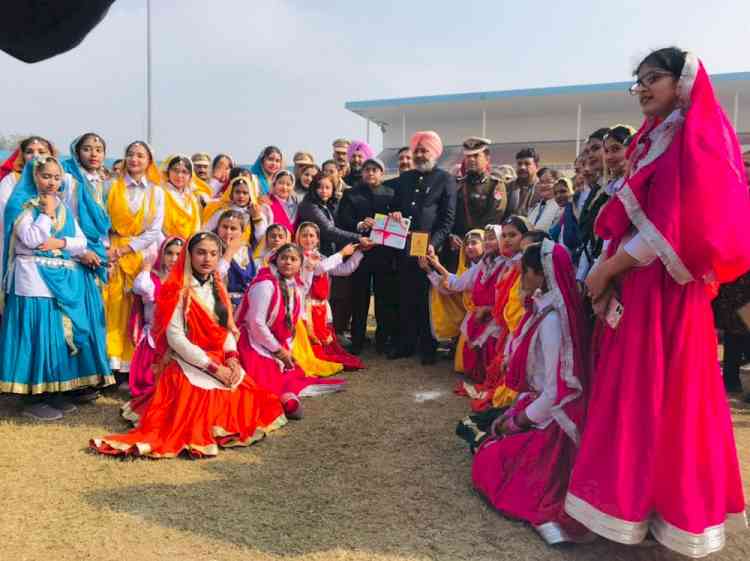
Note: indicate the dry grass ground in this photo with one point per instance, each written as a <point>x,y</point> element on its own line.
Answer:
<point>371,474</point>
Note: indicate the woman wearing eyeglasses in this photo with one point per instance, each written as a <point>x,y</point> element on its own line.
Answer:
<point>657,452</point>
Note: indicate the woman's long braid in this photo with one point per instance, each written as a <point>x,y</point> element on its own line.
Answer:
<point>219,308</point>
<point>285,296</point>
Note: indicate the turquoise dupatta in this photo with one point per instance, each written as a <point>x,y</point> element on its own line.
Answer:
<point>92,215</point>
<point>63,276</point>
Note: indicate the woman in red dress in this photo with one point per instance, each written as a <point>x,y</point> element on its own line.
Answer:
<point>318,315</point>
<point>203,399</point>
<point>523,468</point>
<point>268,315</point>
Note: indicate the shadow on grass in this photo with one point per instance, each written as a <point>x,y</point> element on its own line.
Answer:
<point>397,494</point>
<point>103,415</point>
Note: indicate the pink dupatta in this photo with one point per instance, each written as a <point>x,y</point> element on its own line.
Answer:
<point>280,215</point>
<point>573,367</point>
<point>686,192</point>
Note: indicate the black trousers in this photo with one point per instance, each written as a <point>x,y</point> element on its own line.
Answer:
<point>736,353</point>
<point>415,331</point>
<point>341,302</point>
<point>383,285</point>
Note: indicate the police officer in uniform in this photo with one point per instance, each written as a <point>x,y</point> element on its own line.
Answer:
<point>481,197</point>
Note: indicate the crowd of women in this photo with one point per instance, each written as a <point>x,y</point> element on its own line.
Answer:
<point>579,310</point>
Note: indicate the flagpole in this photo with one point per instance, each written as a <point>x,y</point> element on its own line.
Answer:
<point>148,71</point>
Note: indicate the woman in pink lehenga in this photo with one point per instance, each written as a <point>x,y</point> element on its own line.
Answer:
<point>524,467</point>
<point>658,451</point>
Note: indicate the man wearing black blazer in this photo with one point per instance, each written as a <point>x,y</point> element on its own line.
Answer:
<point>426,195</point>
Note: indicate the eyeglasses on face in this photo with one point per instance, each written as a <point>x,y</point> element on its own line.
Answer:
<point>647,80</point>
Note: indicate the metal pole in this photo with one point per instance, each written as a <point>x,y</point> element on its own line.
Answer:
<point>403,129</point>
<point>736,116</point>
<point>148,71</point>
<point>578,130</point>
<point>368,130</point>
<point>484,123</point>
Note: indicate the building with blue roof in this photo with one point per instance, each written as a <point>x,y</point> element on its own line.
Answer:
<point>555,120</point>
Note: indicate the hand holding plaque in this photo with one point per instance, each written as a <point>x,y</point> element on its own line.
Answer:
<point>419,243</point>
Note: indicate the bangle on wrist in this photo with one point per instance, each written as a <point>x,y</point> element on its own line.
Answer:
<point>232,355</point>
<point>212,368</point>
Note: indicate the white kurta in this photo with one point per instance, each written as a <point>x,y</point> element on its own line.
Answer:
<point>192,359</point>
<point>30,234</point>
<point>260,298</point>
<point>138,194</point>
<point>541,367</point>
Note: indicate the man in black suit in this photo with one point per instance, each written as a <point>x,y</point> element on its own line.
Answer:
<point>356,213</point>
<point>426,195</point>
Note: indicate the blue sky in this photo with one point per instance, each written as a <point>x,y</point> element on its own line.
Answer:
<point>235,75</point>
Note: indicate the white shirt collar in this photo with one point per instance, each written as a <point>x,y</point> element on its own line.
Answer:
<point>93,177</point>
<point>130,182</point>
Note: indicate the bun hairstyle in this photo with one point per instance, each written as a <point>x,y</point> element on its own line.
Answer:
<point>671,59</point>
<point>219,308</point>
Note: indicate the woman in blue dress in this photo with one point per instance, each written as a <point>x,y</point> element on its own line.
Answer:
<point>52,339</point>
<point>86,197</point>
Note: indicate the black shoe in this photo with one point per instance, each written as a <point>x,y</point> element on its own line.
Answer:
<point>428,360</point>
<point>85,395</point>
<point>395,354</point>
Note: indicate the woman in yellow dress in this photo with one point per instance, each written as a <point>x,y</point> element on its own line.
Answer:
<point>448,310</point>
<point>182,212</point>
<point>241,196</point>
<point>136,208</point>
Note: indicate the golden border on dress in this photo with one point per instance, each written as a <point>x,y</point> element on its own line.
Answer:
<point>55,387</point>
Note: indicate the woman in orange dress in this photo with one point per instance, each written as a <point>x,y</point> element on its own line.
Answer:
<point>203,398</point>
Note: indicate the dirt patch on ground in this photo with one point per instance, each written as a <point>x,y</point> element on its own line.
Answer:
<point>375,473</point>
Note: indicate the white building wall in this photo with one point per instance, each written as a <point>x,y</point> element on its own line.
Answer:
<point>508,129</point>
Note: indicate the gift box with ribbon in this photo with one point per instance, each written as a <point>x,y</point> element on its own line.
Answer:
<point>390,232</point>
